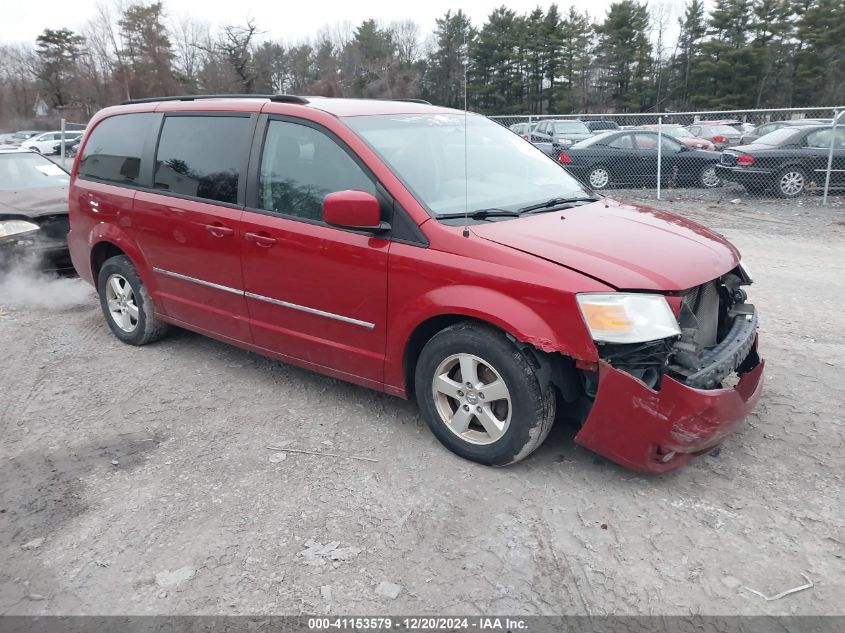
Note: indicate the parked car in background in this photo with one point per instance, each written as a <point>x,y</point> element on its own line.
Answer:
<point>33,210</point>
<point>45,142</point>
<point>560,132</point>
<point>630,158</point>
<point>20,137</point>
<point>6,136</point>
<point>788,161</point>
<point>425,255</point>
<point>719,134</point>
<point>766,128</point>
<point>70,147</point>
<point>523,129</point>
<point>682,135</point>
<point>601,126</point>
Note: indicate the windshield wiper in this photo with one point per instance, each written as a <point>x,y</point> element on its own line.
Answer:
<point>480,214</point>
<point>556,202</point>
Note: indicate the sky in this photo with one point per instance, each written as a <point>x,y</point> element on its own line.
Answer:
<point>288,21</point>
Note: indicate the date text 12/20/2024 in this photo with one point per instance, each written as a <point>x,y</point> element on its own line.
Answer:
<point>416,624</point>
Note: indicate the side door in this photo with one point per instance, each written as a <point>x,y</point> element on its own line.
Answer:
<point>622,160</point>
<point>645,157</point>
<point>314,292</point>
<point>188,224</point>
<point>817,151</point>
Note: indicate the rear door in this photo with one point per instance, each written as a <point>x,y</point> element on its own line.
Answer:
<point>817,152</point>
<point>315,293</point>
<point>188,226</point>
<point>109,175</point>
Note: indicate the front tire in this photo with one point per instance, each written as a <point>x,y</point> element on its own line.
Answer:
<point>481,396</point>
<point>126,303</point>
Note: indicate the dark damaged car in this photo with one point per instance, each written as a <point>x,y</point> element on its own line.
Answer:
<point>33,211</point>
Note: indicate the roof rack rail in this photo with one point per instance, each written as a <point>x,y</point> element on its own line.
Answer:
<point>276,98</point>
<point>423,101</point>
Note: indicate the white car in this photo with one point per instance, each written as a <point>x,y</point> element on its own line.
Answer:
<point>45,143</point>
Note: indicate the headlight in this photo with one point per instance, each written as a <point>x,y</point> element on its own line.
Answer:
<point>15,227</point>
<point>627,318</point>
<point>744,268</point>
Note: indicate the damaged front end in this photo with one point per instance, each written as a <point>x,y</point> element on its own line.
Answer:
<point>656,405</point>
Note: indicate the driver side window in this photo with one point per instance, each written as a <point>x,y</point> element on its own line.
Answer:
<point>300,165</point>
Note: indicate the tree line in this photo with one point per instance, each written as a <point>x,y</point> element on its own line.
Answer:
<point>636,58</point>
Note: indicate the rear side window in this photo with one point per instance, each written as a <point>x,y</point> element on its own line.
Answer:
<point>622,142</point>
<point>201,156</point>
<point>114,148</point>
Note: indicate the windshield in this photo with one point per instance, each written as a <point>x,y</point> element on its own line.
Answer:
<point>30,171</point>
<point>571,127</point>
<point>426,152</point>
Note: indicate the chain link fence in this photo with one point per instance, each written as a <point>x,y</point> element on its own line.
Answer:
<point>783,153</point>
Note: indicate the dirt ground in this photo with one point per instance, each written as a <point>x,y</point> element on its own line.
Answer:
<point>138,480</point>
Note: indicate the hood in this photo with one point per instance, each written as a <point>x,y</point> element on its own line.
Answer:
<point>33,203</point>
<point>627,247</point>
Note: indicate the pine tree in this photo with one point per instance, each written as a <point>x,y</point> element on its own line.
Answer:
<point>58,53</point>
<point>624,56</point>
<point>444,78</point>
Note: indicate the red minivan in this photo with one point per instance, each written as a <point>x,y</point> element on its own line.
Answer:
<point>424,252</point>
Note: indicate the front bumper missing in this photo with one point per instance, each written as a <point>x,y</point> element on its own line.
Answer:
<point>658,431</point>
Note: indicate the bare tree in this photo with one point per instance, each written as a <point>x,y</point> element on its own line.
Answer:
<point>189,37</point>
<point>406,37</point>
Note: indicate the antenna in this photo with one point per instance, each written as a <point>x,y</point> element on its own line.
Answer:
<point>466,150</point>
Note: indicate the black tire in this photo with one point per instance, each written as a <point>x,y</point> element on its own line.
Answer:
<point>531,404</point>
<point>783,190</point>
<point>146,327</point>
<point>593,177</point>
<point>706,175</point>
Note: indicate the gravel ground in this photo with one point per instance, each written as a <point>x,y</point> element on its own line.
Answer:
<point>138,480</point>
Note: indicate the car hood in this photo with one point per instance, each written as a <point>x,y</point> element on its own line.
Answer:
<point>33,203</point>
<point>627,247</point>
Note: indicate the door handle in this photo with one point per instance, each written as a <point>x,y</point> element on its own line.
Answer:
<point>260,239</point>
<point>218,230</point>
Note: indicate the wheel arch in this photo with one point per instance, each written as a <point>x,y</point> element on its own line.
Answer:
<point>504,313</point>
<point>100,252</point>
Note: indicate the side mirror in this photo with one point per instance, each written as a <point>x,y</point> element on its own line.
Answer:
<point>352,209</point>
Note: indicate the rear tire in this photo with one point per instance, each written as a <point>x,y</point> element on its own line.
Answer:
<point>707,178</point>
<point>790,182</point>
<point>598,177</point>
<point>481,396</point>
<point>126,304</point>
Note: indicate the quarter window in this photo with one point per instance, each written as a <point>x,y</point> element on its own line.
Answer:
<point>114,148</point>
<point>300,166</point>
<point>201,156</point>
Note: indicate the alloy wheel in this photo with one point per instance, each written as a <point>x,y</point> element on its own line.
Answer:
<point>599,178</point>
<point>709,177</point>
<point>791,183</point>
<point>120,298</point>
<point>472,399</point>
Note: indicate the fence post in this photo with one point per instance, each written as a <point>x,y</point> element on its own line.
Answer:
<point>62,146</point>
<point>836,114</point>
<point>659,152</point>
